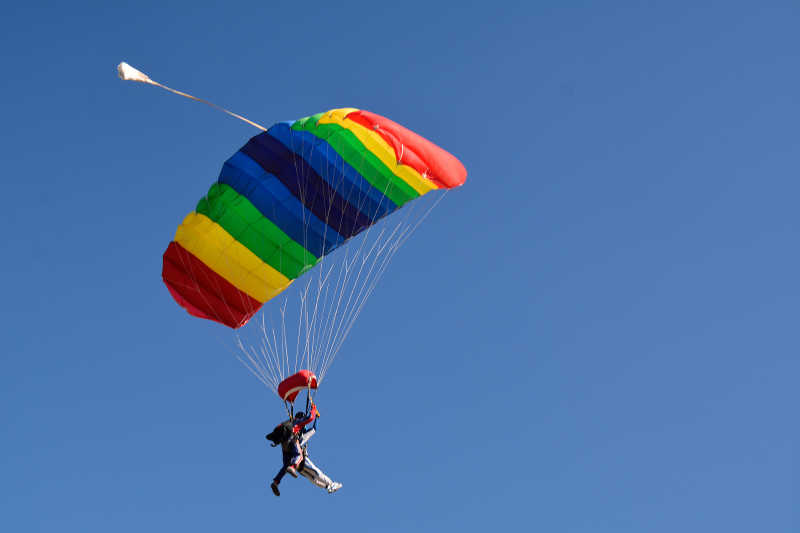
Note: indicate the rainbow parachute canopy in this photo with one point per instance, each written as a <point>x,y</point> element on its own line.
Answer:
<point>290,196</point>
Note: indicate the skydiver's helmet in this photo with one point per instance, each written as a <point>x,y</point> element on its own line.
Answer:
<point>299,415</point>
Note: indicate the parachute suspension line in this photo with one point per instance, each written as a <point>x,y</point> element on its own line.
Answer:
<point>359,292</point>
<point>270,362</point>
<point>270,349</point>
<point>334,292</point>
<point>302,317</point>
<point>339,320</point>
<point>332,308</point>
<point>305,324</point>
<point>128,73</point>
<point>352,306</point>
<point>343,284</point>
<point>322,341</point>
<point>395,246</point>
<point>259,363</point>
<point>272,343</point>
<point>305,327</point>
<point>315,331</point>
<point>251,363</point>
<point>262,363</point>
<point>324,300</point>
<point>286,370</point>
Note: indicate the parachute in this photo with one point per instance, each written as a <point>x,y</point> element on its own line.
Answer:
<point>291,196</point>
<point>283,203</point>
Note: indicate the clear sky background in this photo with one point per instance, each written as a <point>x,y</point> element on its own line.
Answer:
<point>597,333</point>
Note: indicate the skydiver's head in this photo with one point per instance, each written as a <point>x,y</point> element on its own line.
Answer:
<point>299,415</point>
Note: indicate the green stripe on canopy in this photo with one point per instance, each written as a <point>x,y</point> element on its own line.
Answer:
<point>246,224</point>
<point>360,158</point>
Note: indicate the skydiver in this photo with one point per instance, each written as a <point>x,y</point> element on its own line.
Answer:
<point>293,438</point>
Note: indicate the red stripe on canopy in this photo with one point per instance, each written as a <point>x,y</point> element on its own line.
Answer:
<point>415,151</point>
<point>203,292</point>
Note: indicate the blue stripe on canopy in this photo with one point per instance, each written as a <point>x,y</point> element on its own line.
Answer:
<point>329,165</point>
<point>305,184</point>
<point>277,203</point>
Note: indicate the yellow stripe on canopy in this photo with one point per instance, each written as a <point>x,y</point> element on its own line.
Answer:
<point>379,147</point>
<point>229,258</point>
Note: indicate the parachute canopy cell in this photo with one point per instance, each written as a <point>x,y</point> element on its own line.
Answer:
<point>290,196</point>
<point>290,387</point>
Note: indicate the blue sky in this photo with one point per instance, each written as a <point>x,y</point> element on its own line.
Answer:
<point>598,332</point>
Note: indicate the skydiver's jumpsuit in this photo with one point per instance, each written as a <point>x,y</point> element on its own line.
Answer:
<point>309,470</point>
<point>294,454</point>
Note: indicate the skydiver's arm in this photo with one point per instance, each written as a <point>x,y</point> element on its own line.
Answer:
<point>307,435</point>
<point>311,417</point>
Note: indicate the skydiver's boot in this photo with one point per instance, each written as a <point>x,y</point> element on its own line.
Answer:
<point>274,487</point>
<point>292,471</point>
<point>334,486</point>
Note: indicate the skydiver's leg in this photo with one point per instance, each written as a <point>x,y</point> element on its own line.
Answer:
<point>290,463</point>
<point>311,472</point>
<point>293,465</point>
<point>277,480</point>
<point>287,460</point>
